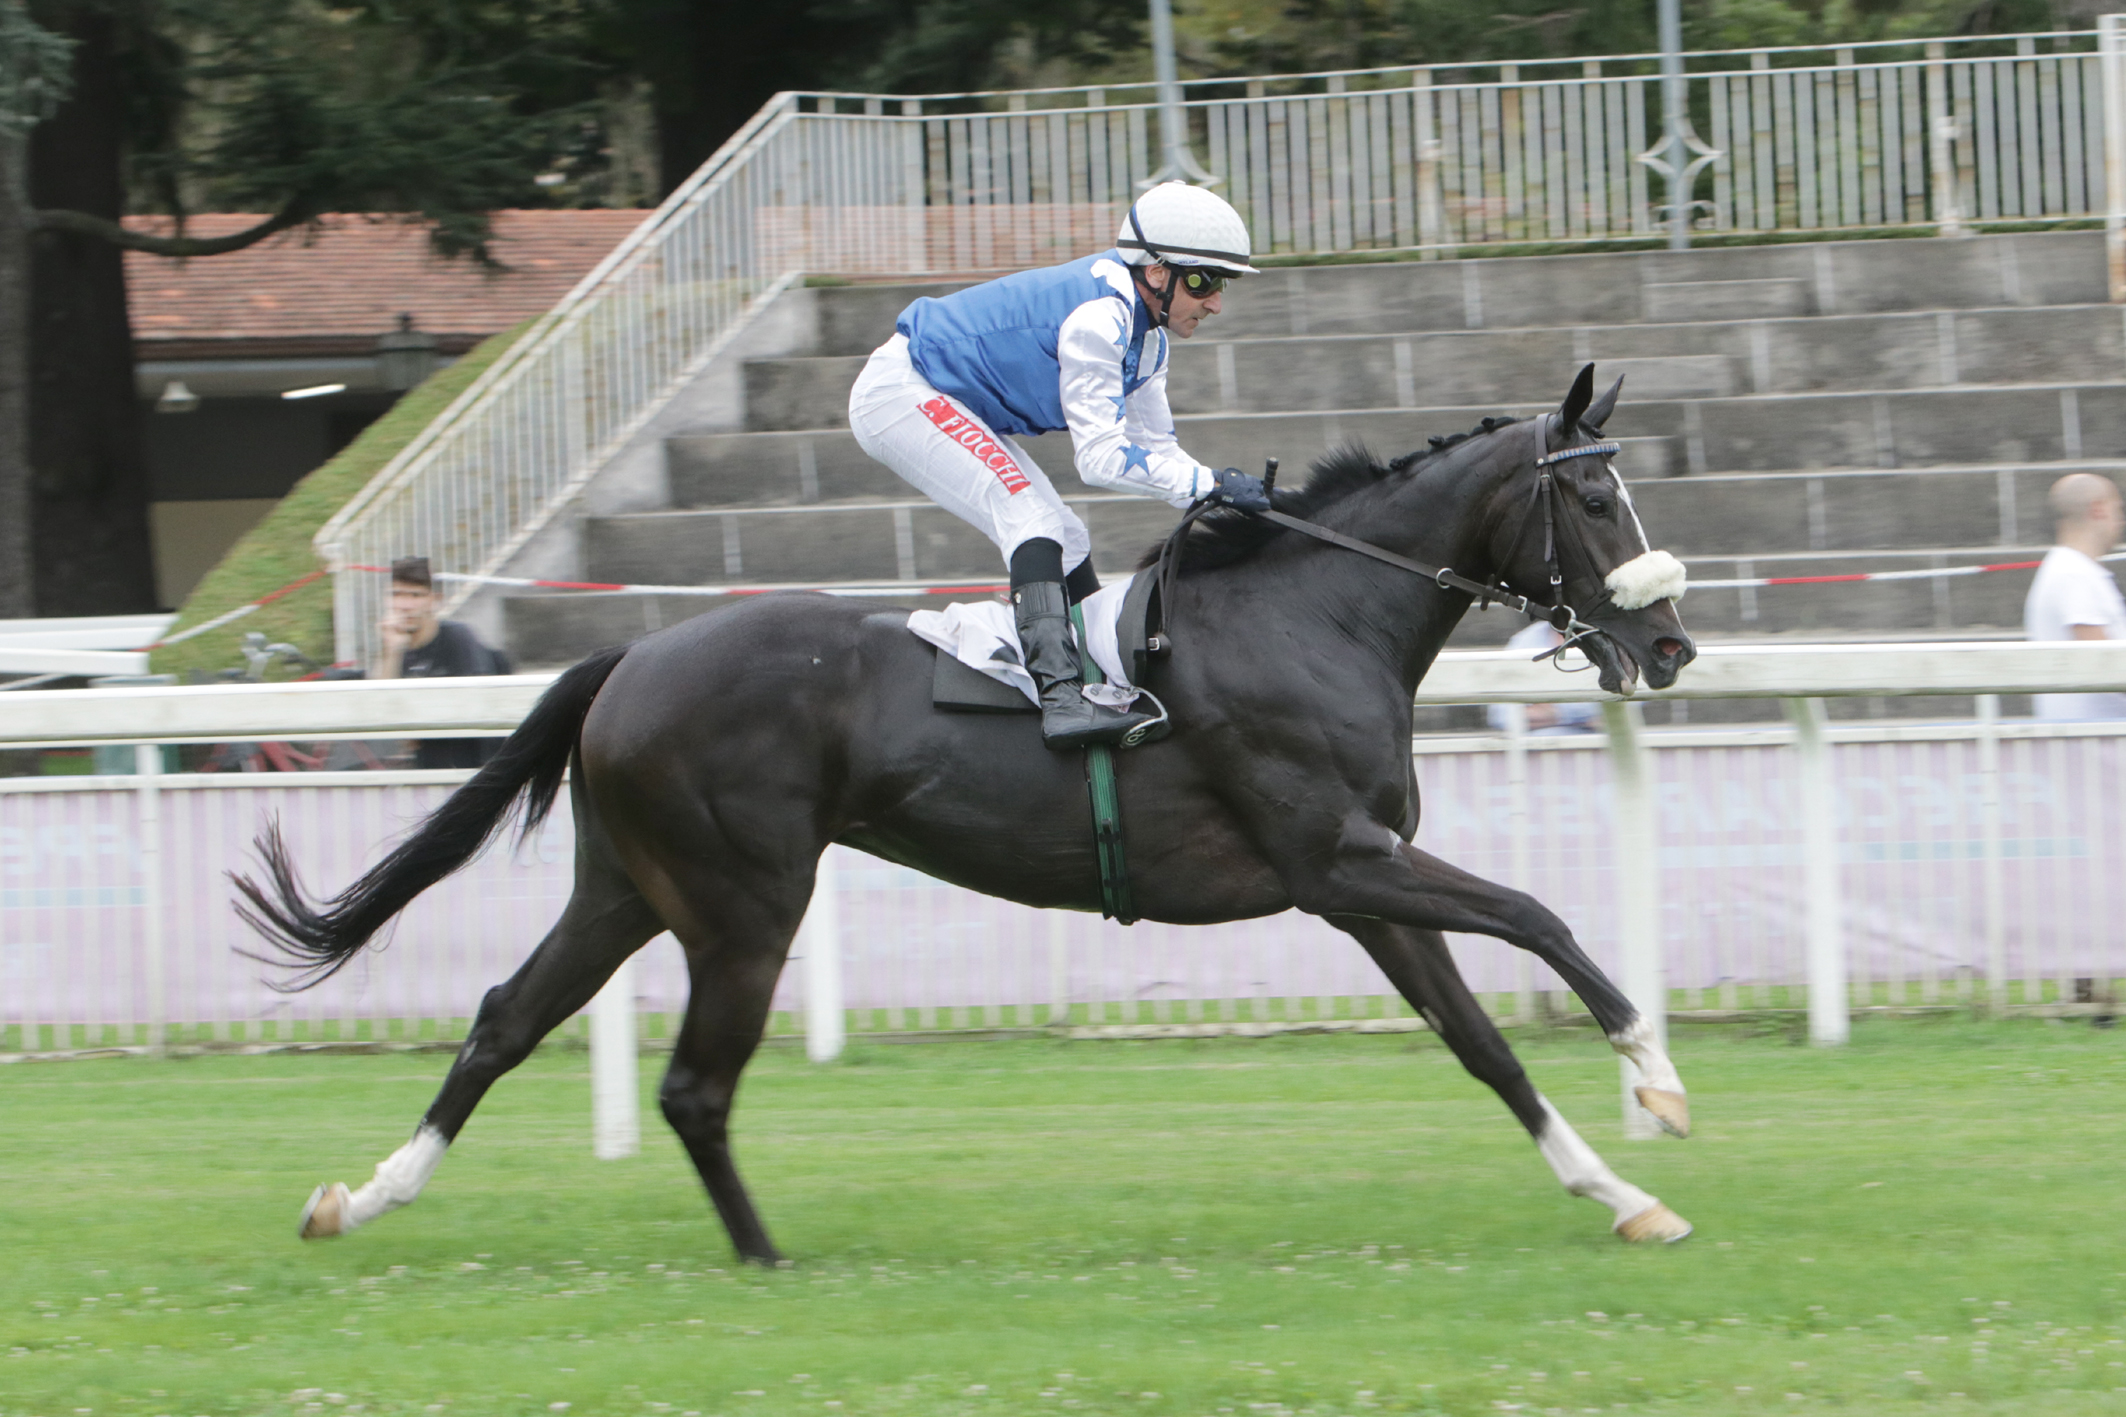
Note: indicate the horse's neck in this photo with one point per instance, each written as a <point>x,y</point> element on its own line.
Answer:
<point>1391,616</point>
<point>1401,617</point>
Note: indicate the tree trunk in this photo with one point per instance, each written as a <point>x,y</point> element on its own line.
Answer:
<point>15,578</point>
<point>90,487</point>
<point>711,67</point>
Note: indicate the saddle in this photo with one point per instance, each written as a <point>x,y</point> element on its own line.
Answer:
<point>1139,631</point>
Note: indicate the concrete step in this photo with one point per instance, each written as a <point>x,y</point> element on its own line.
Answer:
<point>1614,288</point>
<point>1864,510</point>
<point>900,540</point>
<point>551,630</point>
<point>915,541</point>
<point>1896,428</point>
<point>1702,359</point>
<point>1773,433</point>
<point>1761,516</point>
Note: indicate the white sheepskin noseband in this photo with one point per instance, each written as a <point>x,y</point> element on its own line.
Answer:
<point>1645,579</point>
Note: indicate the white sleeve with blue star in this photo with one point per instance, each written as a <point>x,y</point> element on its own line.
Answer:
<point>1125,442</point>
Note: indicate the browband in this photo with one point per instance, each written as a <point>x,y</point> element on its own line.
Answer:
<point>1585,450</point>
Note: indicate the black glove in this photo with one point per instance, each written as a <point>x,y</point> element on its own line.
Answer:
<point>1238,490</point>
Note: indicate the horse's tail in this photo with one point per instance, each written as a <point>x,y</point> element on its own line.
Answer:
<point>319,938</point>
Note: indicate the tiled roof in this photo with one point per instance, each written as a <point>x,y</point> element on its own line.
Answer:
<point>343,285</point>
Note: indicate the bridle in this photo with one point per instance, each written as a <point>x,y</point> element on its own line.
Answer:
<point>1557,613</point>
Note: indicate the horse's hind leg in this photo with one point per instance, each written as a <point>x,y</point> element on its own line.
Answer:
<point>732,971</point>
<point>1418,964</point>
<point>605,921</point>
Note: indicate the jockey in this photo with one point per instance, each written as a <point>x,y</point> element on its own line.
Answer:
<point>1081,346</point>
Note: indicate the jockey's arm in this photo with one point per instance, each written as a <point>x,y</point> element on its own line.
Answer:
<point>1114,450</point>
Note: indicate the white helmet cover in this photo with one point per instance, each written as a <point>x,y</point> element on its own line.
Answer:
<point>1182,225</point>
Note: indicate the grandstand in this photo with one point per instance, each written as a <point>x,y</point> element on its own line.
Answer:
<point>1853,399</point>
<point>1790,411</point>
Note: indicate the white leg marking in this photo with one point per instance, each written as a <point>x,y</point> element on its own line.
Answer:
<point>1640,1044</point>
<point>1639,1216</point>
<point>1583,1173</point>
<point>1659,1090</point>
<point>398,1180</point>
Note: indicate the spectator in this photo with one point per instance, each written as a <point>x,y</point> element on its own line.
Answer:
<point>2073,596</point>
<point>1551,720</point>
<point>420,644</point>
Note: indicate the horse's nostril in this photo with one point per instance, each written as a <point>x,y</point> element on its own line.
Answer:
<point>1668,648</point>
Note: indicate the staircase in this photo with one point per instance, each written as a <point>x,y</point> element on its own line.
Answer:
<point>1794,410</point>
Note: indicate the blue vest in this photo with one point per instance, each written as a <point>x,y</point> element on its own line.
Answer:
<point>993,346</point>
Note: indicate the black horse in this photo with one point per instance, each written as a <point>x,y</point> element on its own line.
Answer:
<point>713,762</point>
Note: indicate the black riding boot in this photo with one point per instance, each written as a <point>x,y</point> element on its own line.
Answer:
<point>1068,718</point>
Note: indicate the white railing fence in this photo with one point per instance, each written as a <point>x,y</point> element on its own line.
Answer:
<point>1958,862</point>
<point>1940,135</point>
<point>1909,864</point>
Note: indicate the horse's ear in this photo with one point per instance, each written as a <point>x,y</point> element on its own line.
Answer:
<point>1598,413</point>
<point>1576,401</point>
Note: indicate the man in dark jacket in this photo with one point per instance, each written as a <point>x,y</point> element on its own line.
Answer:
<point>418,643</point>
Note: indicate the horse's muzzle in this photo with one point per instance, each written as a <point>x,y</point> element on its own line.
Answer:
<point>1669,654</point>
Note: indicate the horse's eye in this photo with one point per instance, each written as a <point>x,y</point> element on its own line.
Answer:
<point>1596,506</point>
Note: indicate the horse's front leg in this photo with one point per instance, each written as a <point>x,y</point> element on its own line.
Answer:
<point>1373,873</point>
<point>1418,964</point>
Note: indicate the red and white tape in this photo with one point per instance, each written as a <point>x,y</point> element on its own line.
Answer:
<point>227,616</point>
<point>1928,574</point>
<point>857,589</point>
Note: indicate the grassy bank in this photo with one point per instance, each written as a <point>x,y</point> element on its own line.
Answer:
<point>277,551</point>
<point>1920,1222</point>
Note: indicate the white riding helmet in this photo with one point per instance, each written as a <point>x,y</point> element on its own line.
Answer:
<point>1180,225</point>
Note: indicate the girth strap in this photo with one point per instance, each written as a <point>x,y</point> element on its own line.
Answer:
<point>1115,902</point>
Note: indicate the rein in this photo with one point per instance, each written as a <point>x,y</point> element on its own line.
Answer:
<point>1561,616</point>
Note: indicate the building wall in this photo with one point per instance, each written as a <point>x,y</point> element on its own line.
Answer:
<point>214,473</point>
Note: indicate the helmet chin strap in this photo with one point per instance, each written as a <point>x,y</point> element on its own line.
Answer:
<point>1165,298</point>
<point>1160,301</point>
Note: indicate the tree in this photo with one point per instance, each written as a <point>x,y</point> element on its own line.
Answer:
<point>293,109</point>
<point>33,70</point>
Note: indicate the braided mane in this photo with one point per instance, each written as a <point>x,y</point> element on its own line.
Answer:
<point>1223,537</point>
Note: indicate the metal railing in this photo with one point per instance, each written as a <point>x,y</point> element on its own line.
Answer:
<point>1941,135</point>
<point>509,452</point>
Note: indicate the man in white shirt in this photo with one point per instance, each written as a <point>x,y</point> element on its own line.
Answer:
<point>2073,596</point>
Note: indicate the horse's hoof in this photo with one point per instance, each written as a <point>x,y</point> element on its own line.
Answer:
<point>1670,1109</point>
<point>1657,1222</point>
<point>326,1214</point>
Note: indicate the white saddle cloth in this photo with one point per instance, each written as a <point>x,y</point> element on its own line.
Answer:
<point>983,636</point>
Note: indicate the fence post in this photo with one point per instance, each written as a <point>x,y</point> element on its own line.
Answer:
<point>154,938</point>
<point>1674,100</point>
<point>616,1090</point>
<point>1517,832</point>
<point>1995,881</point>
<point>1431,214</point>
<point>1830,1010</point>
<point>1177,162</point>
<point>1941,129</point>
<point>2111,46</point>
<point>1638,865</point>
<point>826,1026</point>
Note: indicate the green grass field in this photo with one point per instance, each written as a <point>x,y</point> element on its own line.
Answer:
<point>1927,1220</point>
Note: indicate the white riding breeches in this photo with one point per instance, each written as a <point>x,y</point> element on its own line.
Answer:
<point>979,475</point>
